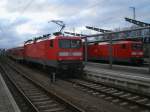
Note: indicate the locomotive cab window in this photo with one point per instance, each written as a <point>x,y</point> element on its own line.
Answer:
<point>64,43</point>
<point>69,43</point>
<point>137,46</point>
<point>75,43</point>
<point>51,43</point>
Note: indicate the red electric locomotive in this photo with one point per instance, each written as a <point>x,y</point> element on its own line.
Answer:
<point>122,51</point>
<point>59,52</point>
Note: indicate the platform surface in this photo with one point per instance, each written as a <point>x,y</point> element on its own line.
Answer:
<point>102,68</point>
<point>7,102</point>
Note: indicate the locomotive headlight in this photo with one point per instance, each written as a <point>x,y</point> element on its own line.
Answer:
<point>63,54</point>
<point>140,53</point>
<point>133,53</point>
<point>77,54</point>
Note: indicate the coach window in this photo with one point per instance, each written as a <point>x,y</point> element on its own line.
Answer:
<point>123,46</point>
<point>51,43</point>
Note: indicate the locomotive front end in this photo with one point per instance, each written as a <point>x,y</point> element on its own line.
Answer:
<point>137,53</point>
<point>70,54</point>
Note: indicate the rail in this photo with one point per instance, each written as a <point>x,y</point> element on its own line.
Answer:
<point>130,99</point>
<point>29,82</point>
<point>133,83</point>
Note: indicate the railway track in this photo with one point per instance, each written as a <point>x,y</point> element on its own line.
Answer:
<point>133,101</point>
<point>39,99</point>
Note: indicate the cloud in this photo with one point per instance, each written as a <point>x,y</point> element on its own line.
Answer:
<point>24,19</point>
<point>8,34</point>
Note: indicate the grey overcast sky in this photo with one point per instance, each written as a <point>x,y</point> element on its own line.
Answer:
<point>24,19</point>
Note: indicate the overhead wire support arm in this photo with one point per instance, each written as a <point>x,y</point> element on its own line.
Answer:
<point>136,22</point>
<point>98,29</point>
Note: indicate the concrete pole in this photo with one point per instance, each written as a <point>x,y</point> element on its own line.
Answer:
<point>53,77</point>
<point>149,55</point>
<point>110,53</point>
<point>85,50</point>
<point>149,50</point>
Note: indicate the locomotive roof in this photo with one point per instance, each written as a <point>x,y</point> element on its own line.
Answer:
<point>51,37</point>
<point>67,37</point>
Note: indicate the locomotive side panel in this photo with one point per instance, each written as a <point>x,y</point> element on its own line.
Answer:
<point>52,52</point>
<point>122,51</point>
<point>36,52</point>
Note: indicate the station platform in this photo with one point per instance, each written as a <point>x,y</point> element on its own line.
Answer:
<point>7,102</point>
<point>115,72</point>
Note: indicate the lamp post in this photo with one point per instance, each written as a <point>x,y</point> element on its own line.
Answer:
<point>133,8</point>
<point>149,50</point>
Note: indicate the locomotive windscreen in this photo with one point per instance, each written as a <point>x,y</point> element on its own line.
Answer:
<point>137,46</point>
<point>66,43</point>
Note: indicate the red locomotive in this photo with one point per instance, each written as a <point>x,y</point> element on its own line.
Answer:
<point>122,51</point>
<point>58,52</point>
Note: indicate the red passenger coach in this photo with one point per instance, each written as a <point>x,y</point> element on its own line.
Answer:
<point>16,53</point>
<point>59,52</point>
<point>122,51</point>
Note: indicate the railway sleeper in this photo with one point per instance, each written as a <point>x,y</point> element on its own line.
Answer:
<point>40,99</point>
<point>118,93</point>
<point>115,100</point>
<point>44,103</point>
<point>144,100</point>
<point>112,91</point>
<point>134,98</point>
<point>49,105</point>
<point>52,106</point>
<point>125,95</point>
<point>38,96</point>
<point>124,103</point>
<point>55,110</point>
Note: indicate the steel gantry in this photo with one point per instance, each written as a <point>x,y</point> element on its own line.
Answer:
<point>98,29</point>
<point>147,40</point>
<point>136,22</point>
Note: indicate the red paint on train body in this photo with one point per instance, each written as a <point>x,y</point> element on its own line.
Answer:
<point>16,53</point>
<point>58,52</point>
<point>122,51</point>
